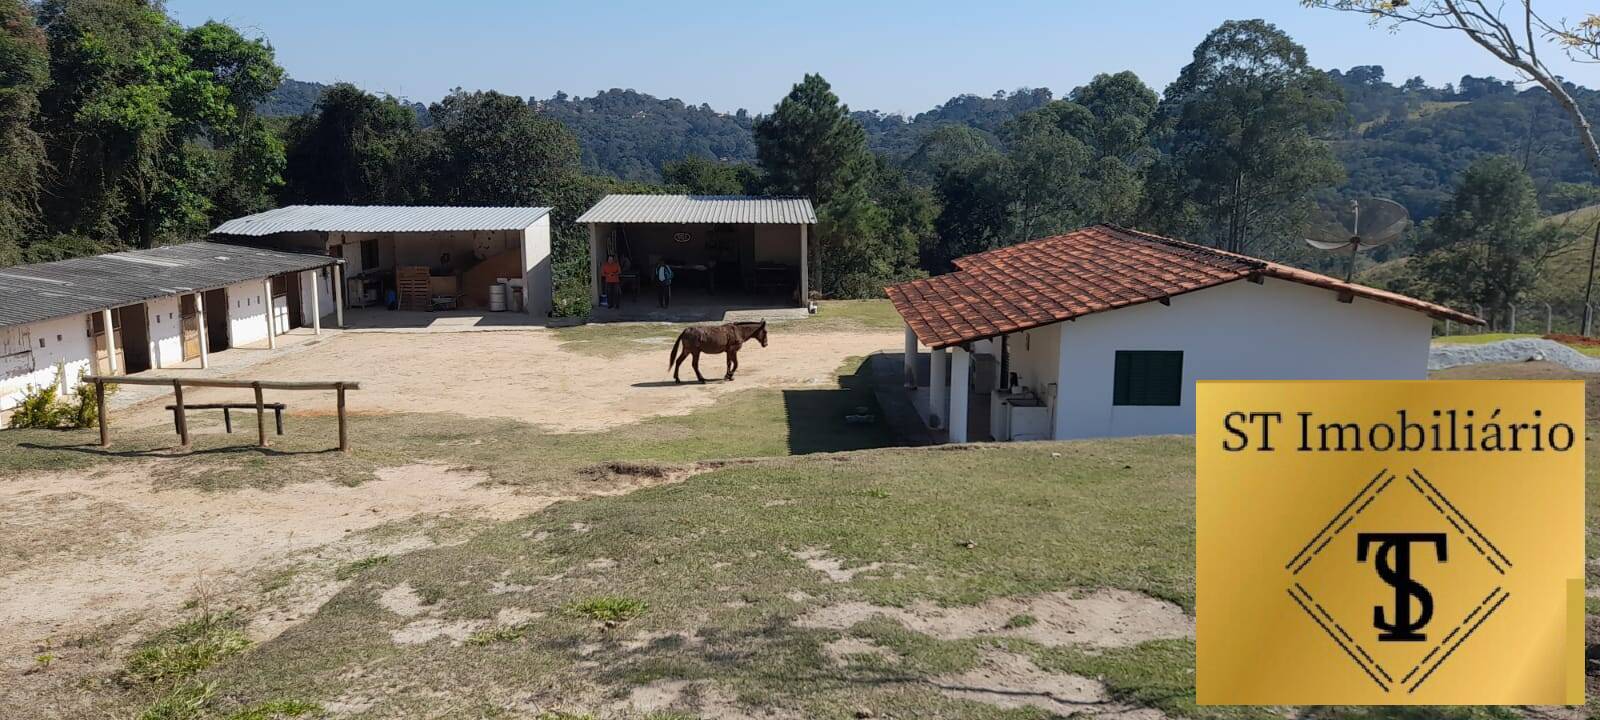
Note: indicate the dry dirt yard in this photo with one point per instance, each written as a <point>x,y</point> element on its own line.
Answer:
<point>94,559</point>
<point>533,375</point>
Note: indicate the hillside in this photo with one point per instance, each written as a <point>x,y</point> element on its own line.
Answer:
<point>1407,141</point>
<point>629,134</point>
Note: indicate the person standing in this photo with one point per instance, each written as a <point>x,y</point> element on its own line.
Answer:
<point>663,284</point>
<point>611,275</point>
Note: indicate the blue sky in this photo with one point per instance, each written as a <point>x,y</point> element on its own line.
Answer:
<point>893,56</point>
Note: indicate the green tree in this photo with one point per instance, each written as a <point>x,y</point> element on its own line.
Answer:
<point>1243,148</point>
<point>140,134</point>
<point>486,148</point>
<point>810,146</point>
<point>703,176</point>
<point>1509,36</point>
<point>353,149</point>
<point>24,70</point>
<point>1486,247</point>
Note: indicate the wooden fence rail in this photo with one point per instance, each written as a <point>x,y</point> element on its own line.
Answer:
<point>181,418</point>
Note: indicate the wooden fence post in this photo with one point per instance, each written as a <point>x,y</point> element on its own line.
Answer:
<point>182,416</point>
<point>344,436</point>
<point>261,416</point>
<point>100,410</point>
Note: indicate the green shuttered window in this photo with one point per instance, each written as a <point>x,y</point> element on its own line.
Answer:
<point>1148,377</point>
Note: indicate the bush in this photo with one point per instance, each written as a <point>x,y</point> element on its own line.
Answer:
<point>43,407</point>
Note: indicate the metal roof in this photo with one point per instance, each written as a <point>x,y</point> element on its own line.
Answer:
<point>381,218</point>
<point>29,293</point>
<point>701,209</point>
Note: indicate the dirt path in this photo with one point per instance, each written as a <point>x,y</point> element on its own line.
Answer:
<point>526,375</point>
<point>88,550</point>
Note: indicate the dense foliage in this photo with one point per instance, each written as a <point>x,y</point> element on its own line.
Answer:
<point>121,128</point>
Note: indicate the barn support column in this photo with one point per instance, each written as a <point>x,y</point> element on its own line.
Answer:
<point>805,267</point>
<point>960,367</point>
<point>111,340</point>
<point>911,359</point>
<point>338,295</point>
<point>272,337</point>
<point>314,281</point>
<point>205,330</point>
<point>938,398</point>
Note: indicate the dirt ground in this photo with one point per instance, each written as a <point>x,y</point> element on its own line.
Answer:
<point>528,376</point>
<point>92,561</point>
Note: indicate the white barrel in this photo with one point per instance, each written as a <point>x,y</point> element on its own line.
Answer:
<point>497,298</point>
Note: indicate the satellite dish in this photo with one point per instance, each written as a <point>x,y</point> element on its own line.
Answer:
<point>1360,225</point>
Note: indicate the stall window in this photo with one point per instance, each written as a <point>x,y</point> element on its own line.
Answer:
<point>369,254</point>
<point>1148,377</point>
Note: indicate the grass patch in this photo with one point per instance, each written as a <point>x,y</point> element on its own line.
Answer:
<point>184,651</point>
<point>760,422</point>
<point>1480,338</point>
<point>1021,621</point>
<point>609,340</point>
<point>610,608</point>
<point>277,710</point>
<point>508,633</point>
<point>352,569</point>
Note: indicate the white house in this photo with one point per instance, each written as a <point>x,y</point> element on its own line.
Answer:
<point>1104,331</point>
<point>727,251</point>
<point>463,252</point>
<point>168,307</point>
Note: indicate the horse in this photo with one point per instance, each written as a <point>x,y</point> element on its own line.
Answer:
<point>728,338</point>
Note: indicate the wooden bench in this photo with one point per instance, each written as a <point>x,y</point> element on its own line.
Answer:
<point>227,409</point>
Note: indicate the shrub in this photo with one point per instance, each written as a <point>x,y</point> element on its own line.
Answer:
<point>43,407</point>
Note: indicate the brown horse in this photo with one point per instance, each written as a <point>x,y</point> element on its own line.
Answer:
<point>725,338</point>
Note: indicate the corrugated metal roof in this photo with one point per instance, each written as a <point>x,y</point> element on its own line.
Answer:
<point>29,293</point>
<point>380,218</point>
<point>701,209</point>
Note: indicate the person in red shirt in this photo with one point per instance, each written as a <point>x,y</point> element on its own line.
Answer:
<point>611,275</point>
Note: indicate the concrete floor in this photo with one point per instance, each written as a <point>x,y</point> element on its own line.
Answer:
<point>695,305</point>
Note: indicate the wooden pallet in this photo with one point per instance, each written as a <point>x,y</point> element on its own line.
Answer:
<point>412,287</point>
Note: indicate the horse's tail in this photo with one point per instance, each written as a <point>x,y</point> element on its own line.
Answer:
<point>673,358</point>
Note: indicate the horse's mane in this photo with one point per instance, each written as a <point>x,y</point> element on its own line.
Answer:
<point>751,322</point>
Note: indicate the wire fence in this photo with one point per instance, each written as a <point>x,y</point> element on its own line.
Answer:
<point>1526,318</point>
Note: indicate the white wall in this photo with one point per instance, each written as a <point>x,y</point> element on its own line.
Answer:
<point>1278,330</point>
<point>166,342</point>
<point>247,308</point>
<point>29,354</point>
<point>1036,357</point>
<point>538,278</point>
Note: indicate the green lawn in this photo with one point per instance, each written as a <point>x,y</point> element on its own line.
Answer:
<point>1481,338</point>
<point>764,422</point>
<point>700,580</point>
<point>615,339</point>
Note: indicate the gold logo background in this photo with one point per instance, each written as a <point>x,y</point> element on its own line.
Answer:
<point>1257,641</point>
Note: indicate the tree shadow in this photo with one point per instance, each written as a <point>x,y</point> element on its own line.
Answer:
<point>844,418</point>
<point>95,450</point>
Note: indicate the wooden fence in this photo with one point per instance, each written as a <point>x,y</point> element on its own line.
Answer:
<point>181,420</point>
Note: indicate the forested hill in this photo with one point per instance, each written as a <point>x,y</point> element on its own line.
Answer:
<point>630,135</point>
<point>1408,141</point>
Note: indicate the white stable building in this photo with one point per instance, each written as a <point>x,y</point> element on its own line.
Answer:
<point>423,257</point>
<point>168,307</point>
<point>1104,331</point>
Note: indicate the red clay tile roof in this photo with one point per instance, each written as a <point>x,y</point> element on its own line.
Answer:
<point>1097,268</point>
